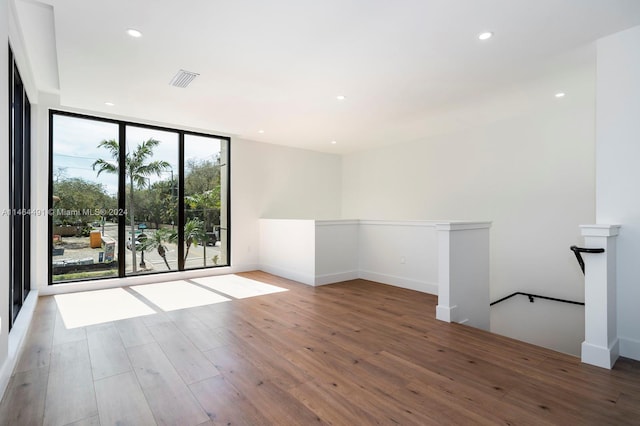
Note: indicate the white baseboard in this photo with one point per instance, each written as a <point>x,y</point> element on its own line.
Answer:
<point>600,356</point>
<point>244,268</point>
<point>336,278</point>
<point>17,337</point>
<point>629,348</point>
<point>446,313</point>
<point>402,282</point>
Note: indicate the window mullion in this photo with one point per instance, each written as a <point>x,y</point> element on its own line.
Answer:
<point>181,218</point>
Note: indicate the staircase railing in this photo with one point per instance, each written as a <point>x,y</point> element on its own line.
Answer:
<point>577,250</point>
<point>532,296</point>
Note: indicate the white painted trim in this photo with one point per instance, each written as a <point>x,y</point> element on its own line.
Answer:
<point>17,337</point>
<point>142,279</point>
<point>446,313</point>
<point>600,230</point>
<point>337,222</point>
<point>421,223</point>
<point>291,275</point>
<point>461,226</point>
<point>336,278</point>
<point>600,356</point>
<point>629,348</point>
<point>397,281</point>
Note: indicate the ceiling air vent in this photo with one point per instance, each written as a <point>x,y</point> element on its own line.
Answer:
<point>183,78</point>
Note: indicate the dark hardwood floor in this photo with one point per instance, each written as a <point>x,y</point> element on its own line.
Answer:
<point>354,353</point>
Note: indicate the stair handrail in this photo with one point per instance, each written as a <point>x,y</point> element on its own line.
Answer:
<point>577,250</point>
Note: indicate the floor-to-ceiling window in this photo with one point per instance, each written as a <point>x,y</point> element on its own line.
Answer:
<point>19,190</point>
<point>205,166</point>
<point>130,199</point>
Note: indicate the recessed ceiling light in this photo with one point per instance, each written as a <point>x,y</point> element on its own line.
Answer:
<point>341,97</point>
<point>134,33</point>
<point>560,95</point>
<point>260,131</point>
<point>333,142</point>
<point>485,35</point>
<point>109,104</point>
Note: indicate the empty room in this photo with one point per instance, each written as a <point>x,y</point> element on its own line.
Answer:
<point>420,212</point>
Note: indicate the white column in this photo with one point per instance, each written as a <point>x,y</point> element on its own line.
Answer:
<point>463,273</point>
<point>600,346</point>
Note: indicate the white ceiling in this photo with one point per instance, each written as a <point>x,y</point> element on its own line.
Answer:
<point>279,65</point>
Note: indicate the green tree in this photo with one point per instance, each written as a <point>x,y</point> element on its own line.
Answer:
<point>201,176</point>
<point>202,190</point>
<point>194,234</point>
<point>82,197</point>
<point>161,203</point>
<point>137,170</point>
<point>156,240</point>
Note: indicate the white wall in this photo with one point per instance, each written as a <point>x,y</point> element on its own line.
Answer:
<point>403,254</point>
<point>618,171</point>
<point>288,248</point>
<point>270,181</point>
<point>531,174</point>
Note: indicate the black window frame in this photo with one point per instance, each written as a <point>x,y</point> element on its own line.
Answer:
<point>19,193</point>
<point>122,125</point>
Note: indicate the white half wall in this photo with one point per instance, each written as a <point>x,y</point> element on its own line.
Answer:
<point>400,253</point>
<point>288,249</point>
<point>531,173</point>
<point>617,171</point>
<point>336,247</point>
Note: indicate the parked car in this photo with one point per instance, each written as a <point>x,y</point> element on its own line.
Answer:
<point>139,239</point>
<point>213,237</point>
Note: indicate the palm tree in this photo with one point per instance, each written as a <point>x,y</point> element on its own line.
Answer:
<point>194,234</point>
<point>137,170</point>
<point>157,240</point>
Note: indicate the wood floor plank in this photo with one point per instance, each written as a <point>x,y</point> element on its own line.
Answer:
<point>36,352</point>
<point>201,335</point>
<point>155,319</point>
<point>133,332</point>
<point>257,349</point>
<point>169,398</point>
<point>24,399</point>
<point>121,401</point>
<point>188,361</point>
<point>70,392</point>
<point>330,406</point>
<point>278,406</point>
<point>224,404</point>
<point>62,334</point>
<point>108,354</point>
<point>91,421</point>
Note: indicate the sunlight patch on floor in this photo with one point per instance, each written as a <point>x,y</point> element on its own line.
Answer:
<point>238,287</point>
<point>99,306</point>
<point>173,295</point>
